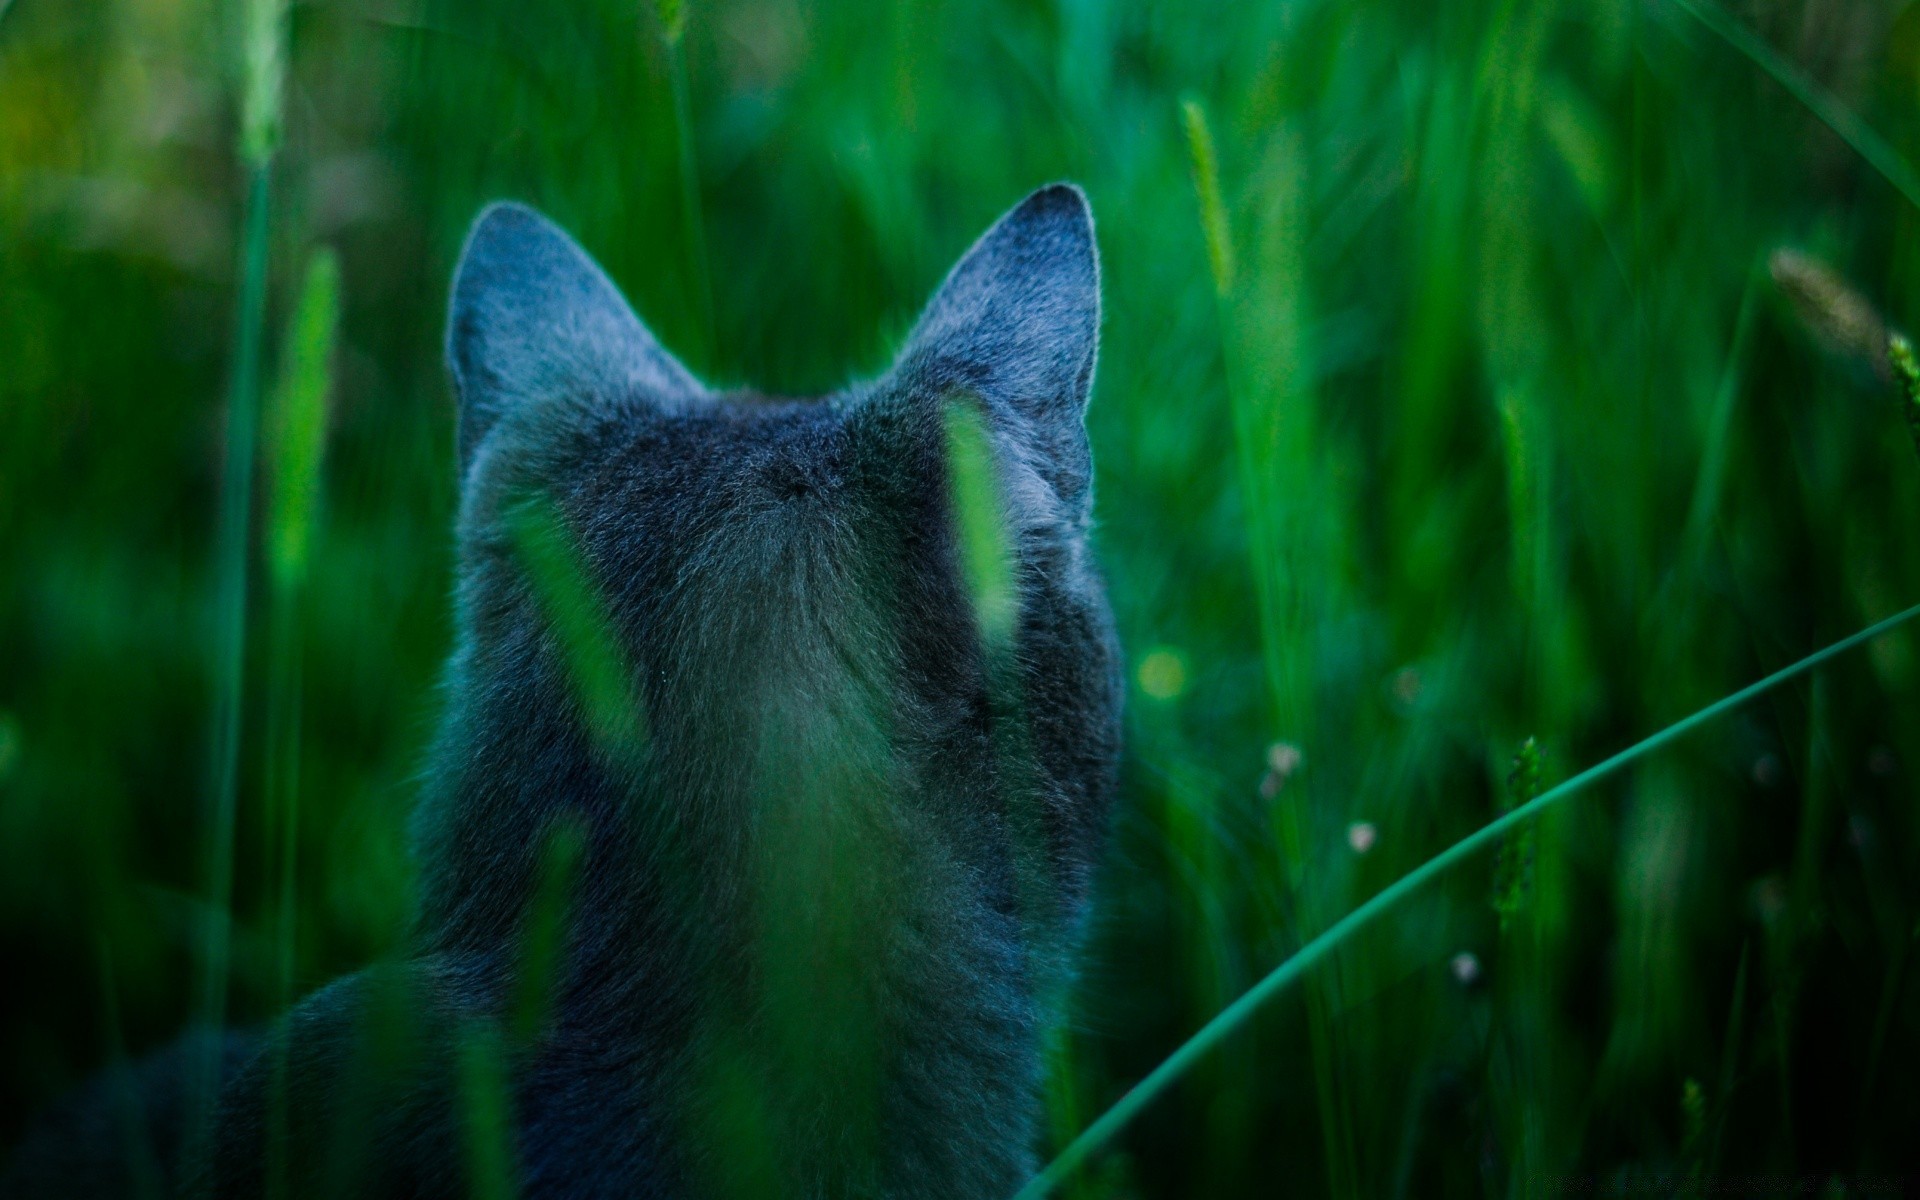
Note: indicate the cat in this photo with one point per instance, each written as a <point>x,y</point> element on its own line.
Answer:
<point>756,836</point>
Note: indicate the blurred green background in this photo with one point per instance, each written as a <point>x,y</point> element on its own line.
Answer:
<point>1541,435</point>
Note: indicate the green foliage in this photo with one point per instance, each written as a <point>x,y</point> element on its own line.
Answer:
<point>1440,402</point>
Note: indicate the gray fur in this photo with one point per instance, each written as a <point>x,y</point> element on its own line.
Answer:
<point>1019,320</point>
<point>533,319</point>
<point>825,906</point>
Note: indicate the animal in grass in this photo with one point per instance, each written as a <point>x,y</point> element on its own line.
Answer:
<point>754,845</point>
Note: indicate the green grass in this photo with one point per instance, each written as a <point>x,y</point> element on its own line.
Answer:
<point>1296,966</point>
<point>1451,394</point>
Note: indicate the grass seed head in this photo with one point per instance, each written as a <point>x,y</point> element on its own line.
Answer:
<point>1906,374</point>
<point>1513,869</point>
<point>1831,308</point>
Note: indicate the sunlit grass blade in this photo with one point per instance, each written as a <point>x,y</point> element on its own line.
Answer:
<point>986,555</point>
<point>989,569</point>
<point>1206,185</point>
<point>1240,1011</point>
<point>297,425</point>
<point>263,76</point>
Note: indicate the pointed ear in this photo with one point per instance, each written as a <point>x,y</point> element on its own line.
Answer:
<point>532,318</point>
<point>1018,321</point>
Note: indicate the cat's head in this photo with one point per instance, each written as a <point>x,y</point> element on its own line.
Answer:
<point>749,611</point>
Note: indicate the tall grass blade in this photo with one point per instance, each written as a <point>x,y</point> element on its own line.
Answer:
<point>230,606</point>
<point>295,437</point>
<point>263,59</point>
<point>1206,185</point>
<point>986,555</point>
<point>1240,1011</point>
<point>673,28</point>
<point>297,426</point>
<point>1262,316</point>
<point>1710,481</point>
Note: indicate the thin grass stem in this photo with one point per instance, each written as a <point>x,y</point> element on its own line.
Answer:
<point>1711,478</point>
<point>1729,1058</point>
<point>693,223</point>
<point>230,634</point>
<point>264,62</point>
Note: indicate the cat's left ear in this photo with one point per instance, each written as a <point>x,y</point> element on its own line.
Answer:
<point>1018,322</point>
<point>533,320</point>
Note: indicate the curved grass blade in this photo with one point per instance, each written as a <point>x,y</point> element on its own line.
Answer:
<point>1236,1014</point>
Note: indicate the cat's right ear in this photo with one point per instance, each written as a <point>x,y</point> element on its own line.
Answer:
<point>1017,322</point>
<point>534,320</point>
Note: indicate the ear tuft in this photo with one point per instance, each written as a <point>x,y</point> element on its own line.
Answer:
<point>532,318</point>
<point>1018,321</point>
